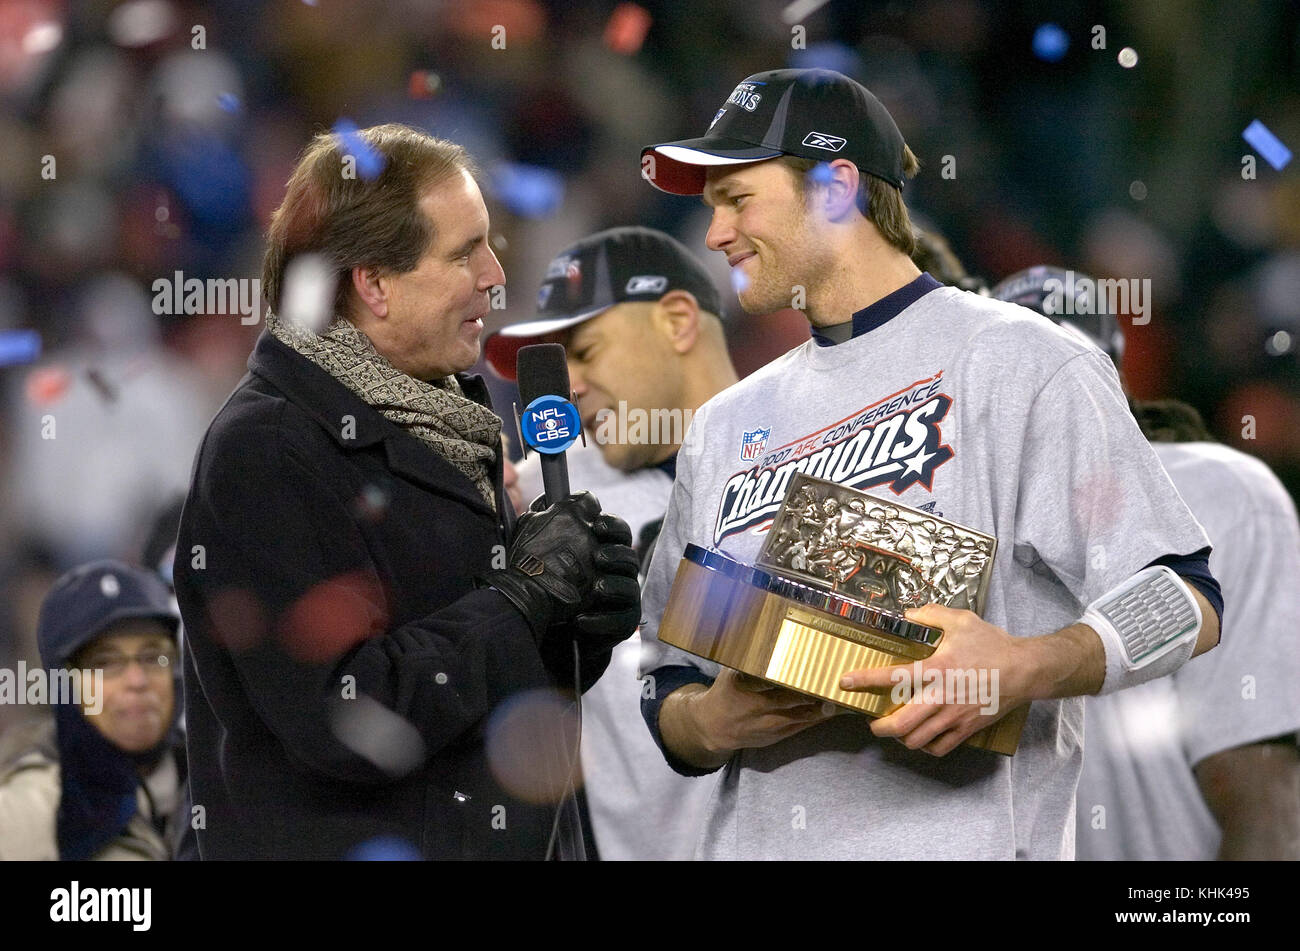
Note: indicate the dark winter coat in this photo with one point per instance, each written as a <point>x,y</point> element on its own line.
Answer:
<point>342,666</point>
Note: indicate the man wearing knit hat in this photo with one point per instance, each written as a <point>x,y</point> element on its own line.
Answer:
<point>940,400</point>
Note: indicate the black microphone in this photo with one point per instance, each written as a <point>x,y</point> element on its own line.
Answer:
<point>549,424</point>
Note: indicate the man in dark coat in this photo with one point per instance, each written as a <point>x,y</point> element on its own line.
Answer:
<point>370,635</point>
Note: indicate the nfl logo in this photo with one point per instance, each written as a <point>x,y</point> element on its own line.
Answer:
<point>752,443</point>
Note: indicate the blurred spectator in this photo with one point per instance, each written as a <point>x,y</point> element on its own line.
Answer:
<point>102,780</point>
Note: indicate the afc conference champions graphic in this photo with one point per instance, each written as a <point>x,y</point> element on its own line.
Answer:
<point>550,424</point>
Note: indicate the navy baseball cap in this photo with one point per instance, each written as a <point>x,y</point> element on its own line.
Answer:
<point>91,598</point>
<point>810,113</point>
<point>1044,288</point>
<point>604,269</point>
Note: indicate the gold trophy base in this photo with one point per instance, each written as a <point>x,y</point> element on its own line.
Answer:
<point>762,633</point>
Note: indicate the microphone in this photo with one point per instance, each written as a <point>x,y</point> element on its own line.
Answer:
<point>549,423</point>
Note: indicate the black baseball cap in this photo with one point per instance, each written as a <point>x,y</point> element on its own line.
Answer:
<point>89,599</point>
<point>607,268</point>
<point>812,113</point>
<point>1043,288</point>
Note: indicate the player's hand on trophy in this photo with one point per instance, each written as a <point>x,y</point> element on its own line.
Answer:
<point>740,712</point>
<point>977,675</point>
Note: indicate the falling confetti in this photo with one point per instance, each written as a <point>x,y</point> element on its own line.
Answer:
<point>371,504</point>
<point>739,281</point>
<point>627,28</point>
<point>1279,344</point>
<point>237,618</point>
<point>1259,138</point>
<point>47,385</point>
<point>308,296</point>
<point>532,745</point>
<point>377,734</point>
<point>801,9</point>
<point>529,191</point>
<point>369,161</point>
<point>820,174</point>
<point>1050,43</point>
<point>384,849</point>
<point>424,84</point>
<point>333,617</point>
<point>19,346</point>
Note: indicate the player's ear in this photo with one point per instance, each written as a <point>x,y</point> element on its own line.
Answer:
<point>677,316</point>
<point>839,181</point>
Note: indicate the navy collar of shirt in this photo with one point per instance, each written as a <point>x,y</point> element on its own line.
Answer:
<point>884,310</point>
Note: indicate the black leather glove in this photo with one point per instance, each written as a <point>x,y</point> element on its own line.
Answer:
<point>556,560</point>
<point>614,610</point>
<point>610,615</point>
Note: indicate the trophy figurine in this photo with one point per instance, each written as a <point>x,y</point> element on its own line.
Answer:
<point>828,593</point>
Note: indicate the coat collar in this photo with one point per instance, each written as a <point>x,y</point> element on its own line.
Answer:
<point>330,403</point>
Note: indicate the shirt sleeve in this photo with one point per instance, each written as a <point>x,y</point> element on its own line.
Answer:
<point>1095,505</point>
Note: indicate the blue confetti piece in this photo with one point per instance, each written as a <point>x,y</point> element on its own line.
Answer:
<point>19,346</point>
<point>739,281</point>
<point>529,191</point>
<point>384,849</point>
<point>229,102</point>
<point>828,55</point>
<point>820,174</point>
<point>369,161</point>
<point>1050,43</point>
<point>1267,144</point>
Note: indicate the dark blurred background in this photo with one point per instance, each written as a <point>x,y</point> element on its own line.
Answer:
<point>173,126</point>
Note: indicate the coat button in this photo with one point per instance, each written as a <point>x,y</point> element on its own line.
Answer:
<point>440,678</point>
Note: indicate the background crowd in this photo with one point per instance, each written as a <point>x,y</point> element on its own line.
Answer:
<point>149,137</point>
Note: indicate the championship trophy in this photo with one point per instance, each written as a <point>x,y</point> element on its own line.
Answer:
<point>827,596</point>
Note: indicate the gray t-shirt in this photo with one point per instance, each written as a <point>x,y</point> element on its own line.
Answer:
<point>988,415</point>
<point>1138,797</point>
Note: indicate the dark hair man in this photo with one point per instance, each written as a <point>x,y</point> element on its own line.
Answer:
<point>940,399</point>
<point>354,623</point>
<point>1201,764</point>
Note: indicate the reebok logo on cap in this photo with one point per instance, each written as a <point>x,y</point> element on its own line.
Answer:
<point>820,140</point>
<point>647,284</point>
<point>599,272</point>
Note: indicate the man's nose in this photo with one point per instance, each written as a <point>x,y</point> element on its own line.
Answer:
<point>493,274</point>
<point>721,232</point>
<point>135,676</point>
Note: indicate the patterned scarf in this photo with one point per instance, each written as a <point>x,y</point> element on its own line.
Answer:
<point>438,414</point>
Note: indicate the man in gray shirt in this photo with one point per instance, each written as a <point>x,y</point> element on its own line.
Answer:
<point>1202,764</point>
<point>974,409</point>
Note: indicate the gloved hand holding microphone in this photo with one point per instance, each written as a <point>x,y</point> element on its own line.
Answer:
<point>571,570</point>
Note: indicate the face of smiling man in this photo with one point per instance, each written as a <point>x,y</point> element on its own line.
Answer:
<point>762,223</point>
<point>428,321</point>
